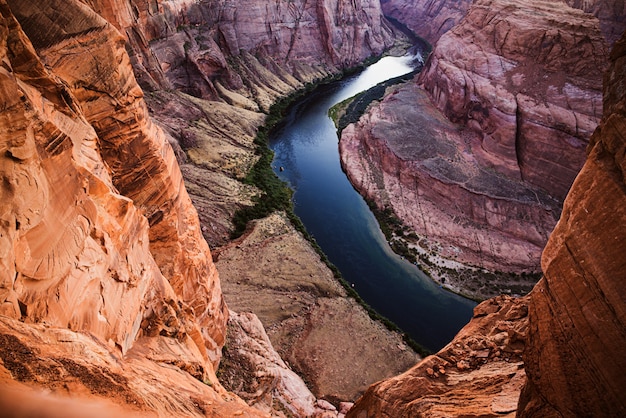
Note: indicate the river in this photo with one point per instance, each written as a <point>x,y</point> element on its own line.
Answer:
<point>305,144</point>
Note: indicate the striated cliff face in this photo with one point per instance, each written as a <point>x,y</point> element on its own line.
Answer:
<point>418,164</point>
<point>141,163</point>
<point>577,319</point>
<point>240,57</point>
<point>479,374</point>
<point>101,249</point>
<point>527,77</point>
<point>428,19</point>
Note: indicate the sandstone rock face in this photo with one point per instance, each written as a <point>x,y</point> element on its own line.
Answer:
<point>53,372</point>
<point>254,370</point>
<point>98,235</point>
<point>577,314</point>
<point>141,162</point>
<point>479,374</point>
<point>186,42</point>
<point>611,13</point>
<point>428,19</point>
<point>405,155</point>
<point>529,85</point>
<point>521,82</point>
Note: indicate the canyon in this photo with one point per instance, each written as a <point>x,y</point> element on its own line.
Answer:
<point>506,104</point>
<point>574,318</point>
<point>128,130</point>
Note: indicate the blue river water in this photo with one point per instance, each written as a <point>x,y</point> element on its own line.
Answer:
<point>306,147</point>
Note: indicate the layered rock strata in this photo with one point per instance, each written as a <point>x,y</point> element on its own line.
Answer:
<point>527,77</point>
<point>428,19</point>
<point>479,373</point>
<point>242,57</point>
<point>107,286</point>
<point>575,324</point>
<point>577,311</point>
<point>405,155</point>
<point>521,82</point>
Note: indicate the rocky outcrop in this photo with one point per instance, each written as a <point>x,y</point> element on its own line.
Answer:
<point>428,19</point>
<point>254,370</point>
<point>478,374</point>
<point>577,319</point>
<point>48,368</point>
<point>316,329</point>
<point>531,87</point>
<point>611,13</point>
<point>575,324</point>
<point>140,160</point>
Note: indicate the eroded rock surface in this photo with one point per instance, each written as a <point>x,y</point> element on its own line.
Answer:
<point>577,311</point>
<point>478,374</point>
<point>428,19</point>
<point>106,282</point>
<point>521,83</point>
<point>254,370</point>
<point>326,337</point>
<point>405,155</point>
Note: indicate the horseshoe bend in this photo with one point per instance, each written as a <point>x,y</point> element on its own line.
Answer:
<point>150,268</point>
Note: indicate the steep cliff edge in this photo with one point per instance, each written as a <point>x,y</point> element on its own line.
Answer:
<point>520,82</point>
<point>577,312</point>
<point>103,240</point>
<point>478,374</point>
<point>575,325</point>
<point>108,288</point>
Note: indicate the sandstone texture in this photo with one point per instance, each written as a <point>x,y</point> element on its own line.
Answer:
<point>527,77</point>
<point>479,373</point>
<point>106,282</point>
<point>611,13</point>
<point>419,164</point>
<point>254,370</point>
<point>239,58</point>
<point>324,336</point>
<point>577,313</point>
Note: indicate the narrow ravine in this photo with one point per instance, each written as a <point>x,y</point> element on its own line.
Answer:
<point>307,158</point>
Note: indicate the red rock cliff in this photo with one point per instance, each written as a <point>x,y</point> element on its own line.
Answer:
<point>574,356</point>
<point>427,18</point>
<point>521,83</point>
<point>576,322</point>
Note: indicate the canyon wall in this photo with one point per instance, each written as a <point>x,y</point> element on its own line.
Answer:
<point>239,57</point>
<point>428,19</point>
<point>100,237</point>
<point>574,320</point>
<point>480,373</point>
<point>577,312</point>
<point>521,83</point>
<point>107,283</point>
<point>527,77</point>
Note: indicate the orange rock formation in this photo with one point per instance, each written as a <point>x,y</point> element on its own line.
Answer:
<point>104,269</point>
